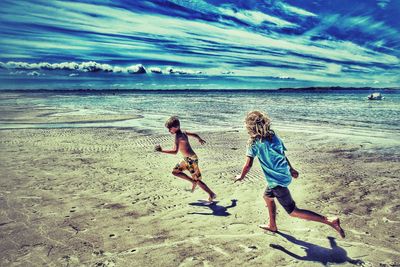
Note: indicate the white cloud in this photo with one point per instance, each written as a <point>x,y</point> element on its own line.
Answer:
<point>256,17</point>
<point>92,66</point>
<point>89,66</point>
<point>136,69</point>
<point>295,10</point>
<point>368,25</point>
<point>172,70</point>
<point>373,31</point>
<point>382,3</point>
<point>198,5</point>
<point>156,70</point>
<point>333,68</point>
<point>33,73</point>
<point>17,72</point>
<point>286,78</point>
<point>118,69</point>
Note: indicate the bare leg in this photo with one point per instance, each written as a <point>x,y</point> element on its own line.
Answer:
<point>194,184</point>
<point>272,215</point>
<point>185,177</point>
<point>211,194</point>
<point>312,216</point>
<point>195,178</point>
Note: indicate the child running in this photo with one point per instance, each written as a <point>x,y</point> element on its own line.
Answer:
<point>190,161</point>
<point>269,149</point>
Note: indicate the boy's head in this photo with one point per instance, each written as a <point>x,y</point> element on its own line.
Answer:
<point>258,125</point>
<point>173,124</point>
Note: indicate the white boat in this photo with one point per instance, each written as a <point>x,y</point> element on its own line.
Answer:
<point>375,96</point>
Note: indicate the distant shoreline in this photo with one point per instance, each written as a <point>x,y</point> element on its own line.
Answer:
<point>285,90</point>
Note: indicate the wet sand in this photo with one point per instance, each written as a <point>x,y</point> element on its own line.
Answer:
<point>103,197</point>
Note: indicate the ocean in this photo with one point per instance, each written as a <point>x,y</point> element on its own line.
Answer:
<point>206,110</point>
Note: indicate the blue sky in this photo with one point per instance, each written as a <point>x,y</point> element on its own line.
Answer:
<point>252,43</point>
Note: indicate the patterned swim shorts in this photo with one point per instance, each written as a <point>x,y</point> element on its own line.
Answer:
<point>192,165</point>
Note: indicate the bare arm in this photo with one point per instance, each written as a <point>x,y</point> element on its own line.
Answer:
<point>245,170</point>
<point>172,151</point>
<point>201,141</point>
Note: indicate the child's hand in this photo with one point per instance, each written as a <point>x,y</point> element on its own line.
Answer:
<point>238,178</point>
<point>157,148</point>
<point>201,141</point>
<point>294,173</point>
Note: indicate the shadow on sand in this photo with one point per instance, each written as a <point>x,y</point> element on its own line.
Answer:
<point>217,210</point>
<point>316,253</point>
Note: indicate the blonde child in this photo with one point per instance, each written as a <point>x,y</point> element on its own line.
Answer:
<point>269,149</point>
<point>190,160</point>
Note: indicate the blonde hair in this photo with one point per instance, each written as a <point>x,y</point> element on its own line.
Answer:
<point>258,126</point>
<point>172,122</point>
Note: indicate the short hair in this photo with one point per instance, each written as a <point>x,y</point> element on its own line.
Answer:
<point>172,122</point>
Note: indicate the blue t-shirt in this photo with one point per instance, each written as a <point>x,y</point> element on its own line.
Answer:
<point>272,160</point>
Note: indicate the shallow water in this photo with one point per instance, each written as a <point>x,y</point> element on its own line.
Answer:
<point>199,111</point>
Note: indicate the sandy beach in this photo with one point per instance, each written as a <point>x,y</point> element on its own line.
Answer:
<point>86,88</point>
<point>103,197</point>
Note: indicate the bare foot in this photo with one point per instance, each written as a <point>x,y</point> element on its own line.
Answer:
<point>336,225</point>
<point>194,184</point>
<point>212,197</point>
<point>268,228</point>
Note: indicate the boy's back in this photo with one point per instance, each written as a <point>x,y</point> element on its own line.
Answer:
<point>272,159</point>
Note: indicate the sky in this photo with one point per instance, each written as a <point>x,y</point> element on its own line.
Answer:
<point>199,43</point>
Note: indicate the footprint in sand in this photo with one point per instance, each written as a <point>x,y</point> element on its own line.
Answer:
<point>248,249</point>
<point>220,250</point>
<point>98,252</point>
<point>107,263</point>
<point>192,261</point>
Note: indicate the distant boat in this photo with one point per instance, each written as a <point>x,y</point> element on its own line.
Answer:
<point>375,96</point>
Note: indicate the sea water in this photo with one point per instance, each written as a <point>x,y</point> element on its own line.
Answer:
<point>221,110</point>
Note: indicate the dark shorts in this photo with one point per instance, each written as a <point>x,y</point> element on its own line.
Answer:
<point>283,196</point>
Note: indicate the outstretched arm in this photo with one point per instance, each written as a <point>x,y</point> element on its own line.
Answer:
<point>246,168</point>
<point>293,172</point>
<point>201,141</point>
<point>172,151</point>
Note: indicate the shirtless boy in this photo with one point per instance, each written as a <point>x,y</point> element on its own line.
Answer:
<point>190,161</point>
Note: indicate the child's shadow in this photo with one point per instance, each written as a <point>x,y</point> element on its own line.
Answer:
<point>216,209</point>
<point>316,253</point>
